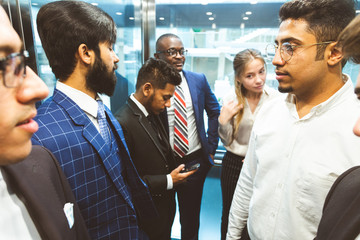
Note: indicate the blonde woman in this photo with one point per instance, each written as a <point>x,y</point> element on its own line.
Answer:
<point>236,119</point>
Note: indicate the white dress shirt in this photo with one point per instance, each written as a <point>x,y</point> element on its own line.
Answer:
<point>145,112</point>
<point>238,143</point>
<point>84,101</point>
<point>193,136</point>
<point>15,220</point>
<point>291,164</point>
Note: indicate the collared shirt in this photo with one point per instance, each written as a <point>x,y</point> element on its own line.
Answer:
<point>291,164</point>
<point>193,136</point>
<point>238,143</point>
<point>15,220</point>
<point>145,112</point>
<point>84,101</point>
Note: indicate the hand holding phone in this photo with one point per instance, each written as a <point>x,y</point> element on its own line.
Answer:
<point>190,168</point>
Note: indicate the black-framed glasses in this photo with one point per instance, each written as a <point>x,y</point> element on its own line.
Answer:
<point>13,68</point>
<point>286,50</point>
<point>172,52</point>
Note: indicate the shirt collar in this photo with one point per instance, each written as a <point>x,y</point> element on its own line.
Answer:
<point>84,101</point>
<point>140,106</point>
<point>330,102</point>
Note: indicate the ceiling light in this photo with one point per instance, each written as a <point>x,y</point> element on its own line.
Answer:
<point>357,11</point>
<point>161,18</point>
<point>118,13</point>
<point>248,13</point>
<point>34,4</point>
<point>245,18</point>
<point>209,13</point>
<point>131,18</point>
<point>211,18</point>
<point>95,4</point>
<point>253,2</point>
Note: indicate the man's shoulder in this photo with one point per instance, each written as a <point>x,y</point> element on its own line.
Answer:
<point>123,113</point>
<point>188,75</point>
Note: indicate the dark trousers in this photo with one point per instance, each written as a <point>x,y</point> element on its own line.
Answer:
<point>189,196</point>
<point>230,171</point>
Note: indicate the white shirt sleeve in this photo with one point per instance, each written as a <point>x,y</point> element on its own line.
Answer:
<point>169,182</point>
<point>226,133</point>
<point>239,209</point>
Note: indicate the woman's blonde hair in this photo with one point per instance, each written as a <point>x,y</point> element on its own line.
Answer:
<point>240,62</point>
<point>349,40</point>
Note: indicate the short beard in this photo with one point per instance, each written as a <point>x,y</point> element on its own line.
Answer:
<point>285,90</point>
<point>100,80</point>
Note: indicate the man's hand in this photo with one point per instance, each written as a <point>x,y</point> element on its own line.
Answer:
<point>178,177</point>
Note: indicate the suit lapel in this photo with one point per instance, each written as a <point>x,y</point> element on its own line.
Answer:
<point>93,137</point>
<point>78,116</point>
<point>144,122</point>
<point>193,92</point>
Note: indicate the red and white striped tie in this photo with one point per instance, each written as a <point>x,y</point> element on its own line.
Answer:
<point>181,143</point>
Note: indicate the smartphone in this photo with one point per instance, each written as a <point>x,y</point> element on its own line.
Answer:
<point>190,168</point>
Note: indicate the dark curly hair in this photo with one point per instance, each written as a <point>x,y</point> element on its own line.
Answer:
<point>158,73</point>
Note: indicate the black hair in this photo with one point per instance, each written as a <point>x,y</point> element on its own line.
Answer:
<point>166,35</point>
<point>326,18</point>
<point>64,25</point>
<point>158,73</point>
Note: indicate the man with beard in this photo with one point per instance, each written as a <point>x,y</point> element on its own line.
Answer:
<point>80,131</point>
<point>148,143</point>
<point>302,142</point>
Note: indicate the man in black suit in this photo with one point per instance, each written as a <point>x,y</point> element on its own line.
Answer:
<point>36,201</point>
<point>148,144</point>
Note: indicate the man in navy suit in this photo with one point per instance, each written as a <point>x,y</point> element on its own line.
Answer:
<point>36,201</point>
<point>201,145</point>
<point>76,127</point>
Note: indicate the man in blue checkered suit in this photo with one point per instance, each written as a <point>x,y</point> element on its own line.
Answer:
<point>77,38</point>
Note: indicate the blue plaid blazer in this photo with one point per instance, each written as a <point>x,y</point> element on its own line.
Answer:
<point>92,171</point>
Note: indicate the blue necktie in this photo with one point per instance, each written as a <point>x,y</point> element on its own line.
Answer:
<point>104,130</point>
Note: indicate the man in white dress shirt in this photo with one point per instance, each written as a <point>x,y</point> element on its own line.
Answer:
<point>300,143</point>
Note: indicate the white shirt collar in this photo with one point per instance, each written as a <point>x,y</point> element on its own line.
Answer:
<point>84,101</point>
<point>140,106</point>
<point>329,103</point>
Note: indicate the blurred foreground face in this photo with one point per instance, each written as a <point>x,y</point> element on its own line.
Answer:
<point>18,94</point>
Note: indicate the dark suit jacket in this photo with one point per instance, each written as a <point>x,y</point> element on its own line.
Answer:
<point>202,99</point>
<point>40,183</point>
<point>341,212</point>
<point>150,160</point>
<point>93,171</point>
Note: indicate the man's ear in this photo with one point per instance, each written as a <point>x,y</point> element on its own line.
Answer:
<point>334,54</point>
<point>85,54</point>
<point>156,55</point>
<point>147,89</point>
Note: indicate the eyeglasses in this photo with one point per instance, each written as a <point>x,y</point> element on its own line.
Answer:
<point>286,50</point>
<point>13,69</point>
<point>172,52</point>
